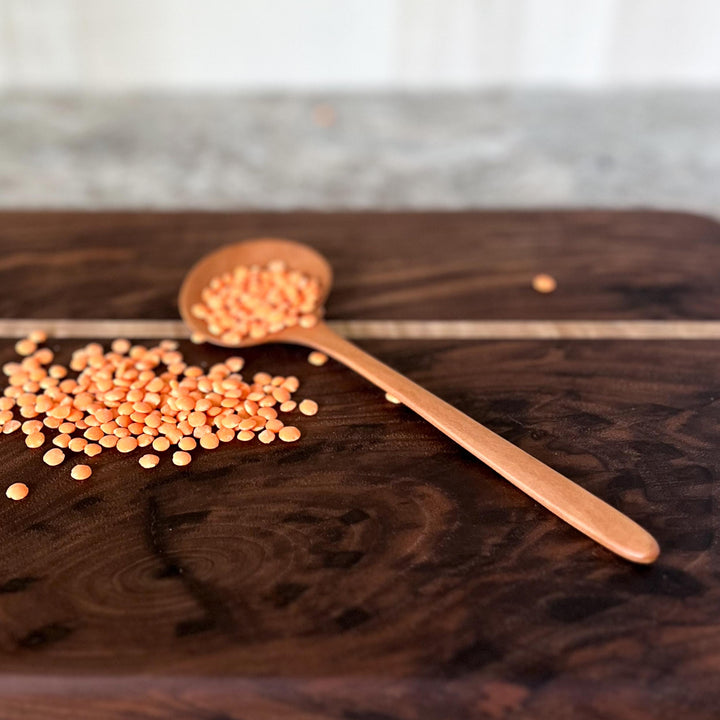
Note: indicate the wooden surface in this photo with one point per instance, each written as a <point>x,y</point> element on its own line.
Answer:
<point>374,571</point>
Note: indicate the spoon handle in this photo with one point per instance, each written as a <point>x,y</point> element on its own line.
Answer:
<point>578,507</point>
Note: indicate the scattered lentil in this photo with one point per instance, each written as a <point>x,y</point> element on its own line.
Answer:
<point>57,371</point>
<point>308,407</point>
<point>77,444</point>
<point>127,444</point>
<point>35,440</point>
<point>37,336</point>
<point>126,399</point>
<point>289,433</point>
<point>210,441</point>
<point>17,491</point>
<point>54,456</point>
<point>391,398</point>
<point>94,433</point>
<point>32,426</point>
<point>317,358</point>
<point>81,472</point>
<point>11,426</point>
<point>187,443</point>
<point>144,440</point>
<point>149,461</point>
<point>120,346</point>
<point>181,458</point>
<point>544,283</point>
<point>160,444</point>
<point>25,347</point>
<point>266,436</point>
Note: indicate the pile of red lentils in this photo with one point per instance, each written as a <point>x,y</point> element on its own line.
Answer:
<point>136,397</point>
<point>254,301</point>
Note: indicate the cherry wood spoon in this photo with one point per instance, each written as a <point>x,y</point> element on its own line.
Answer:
<point>569,501</point>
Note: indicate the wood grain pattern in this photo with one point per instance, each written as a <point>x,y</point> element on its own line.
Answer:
<point>374,571</point>
<point>426,266</point>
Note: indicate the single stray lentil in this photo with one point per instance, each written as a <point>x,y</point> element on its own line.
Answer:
<point>81,472</point>
<point>308,407</point>
<point>317,358</point>
<point>17,491</point>
<point>149,461</point>
<point>544,283</point>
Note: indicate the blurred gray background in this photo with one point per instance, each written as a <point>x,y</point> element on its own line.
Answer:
<point>329,104</point>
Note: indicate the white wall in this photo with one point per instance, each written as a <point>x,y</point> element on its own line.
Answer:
<point>111,45</point>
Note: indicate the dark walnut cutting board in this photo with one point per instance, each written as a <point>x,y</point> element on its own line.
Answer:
<point>374,570</point>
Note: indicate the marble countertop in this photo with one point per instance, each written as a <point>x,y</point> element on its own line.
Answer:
<point>460,150</point>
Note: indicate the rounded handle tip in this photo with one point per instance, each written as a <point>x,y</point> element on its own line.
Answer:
<point>644,552</point>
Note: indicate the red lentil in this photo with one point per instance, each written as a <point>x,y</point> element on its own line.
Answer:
<point>54,456</point>
<point>317,358</point>
<point>127,444</point>
<point>77,444</point>
<point>35,440</point>
<point>17,491</point>
<point>266,436</point>
<point>11,426</point>
<point>209,441</point>
<point>124,399</point>
<point>289,433</point>
<point>544,283</point>
<point>149,461</point>
<point>25,347</point>
<point>181,458</point>
<point>253,302</point>
<point>308,407</point>
<point>81,472</point>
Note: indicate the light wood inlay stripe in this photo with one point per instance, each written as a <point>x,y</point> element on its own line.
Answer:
<point>401,329</point>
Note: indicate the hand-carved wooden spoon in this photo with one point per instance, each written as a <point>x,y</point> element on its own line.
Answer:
<point>569,501</point>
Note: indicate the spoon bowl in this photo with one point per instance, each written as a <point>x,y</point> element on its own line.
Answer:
<point>578,507</point>
<point>259,251</point>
